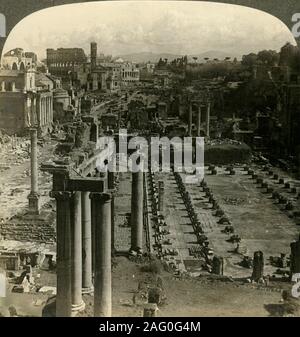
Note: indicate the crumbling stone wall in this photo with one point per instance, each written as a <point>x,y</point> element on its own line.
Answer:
<point>227,154</point>
<point>36,231</point>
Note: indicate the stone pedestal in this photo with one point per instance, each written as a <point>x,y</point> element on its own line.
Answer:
<point>150,310</point>
<point>34,203</point>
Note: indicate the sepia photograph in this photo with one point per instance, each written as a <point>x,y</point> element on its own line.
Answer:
<point>149,160</point>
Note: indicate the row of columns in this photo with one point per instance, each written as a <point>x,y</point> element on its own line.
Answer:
<point>45,110</point>
<point>190,119</point>
<point>85,242</point>
<point>78,254</point>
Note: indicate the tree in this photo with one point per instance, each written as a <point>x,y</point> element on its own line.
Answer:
<point>290,56</point>
<point>268,57</point>
<point>249,60</point>
<point>160,63</point>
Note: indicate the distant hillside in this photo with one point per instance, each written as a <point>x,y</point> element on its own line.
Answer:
<point>152,57</point>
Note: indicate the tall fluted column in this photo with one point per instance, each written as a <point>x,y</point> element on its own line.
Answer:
<point>87,277</point>
<point>190,120</point>
<point>137,204</point>
<point>63,260</point>
<point>77,302</point>
<point>207,119</point>
<point>111,186</point>
<point>199,120</point>
<point>102,269</point>
<point>295,257</point>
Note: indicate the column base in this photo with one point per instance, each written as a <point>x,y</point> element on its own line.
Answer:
<point>77,307</point>
<point>135,251</point>
<point>34,204</point>
<point>87,290</point>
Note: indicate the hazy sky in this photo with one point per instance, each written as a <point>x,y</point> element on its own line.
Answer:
<point>122,27</point>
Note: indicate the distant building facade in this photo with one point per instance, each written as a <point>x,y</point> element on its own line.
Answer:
<point>22,104</point>
<point>17,59</point>
<point>26,98</point>
<point>103,74</point>
<point>129,73</point>
<point>62,62</point>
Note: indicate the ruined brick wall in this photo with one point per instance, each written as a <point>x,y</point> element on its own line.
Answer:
<point>38,231</point>
<point>12,111</point>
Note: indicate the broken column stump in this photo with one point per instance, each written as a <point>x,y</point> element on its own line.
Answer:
<point>150,310</point>
<point>217,265</point>
<point>155,295</point>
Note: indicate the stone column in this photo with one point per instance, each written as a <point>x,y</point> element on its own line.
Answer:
<point>137,205</point>
<point>111,187</point>
<point>77,302</point>
<point>51,108</point>
<point>33,197</point>
<point>102,269</point>
<point>41,112</point>
<point>190,120</point>
<point>207,119</point>
<point>46,110</point>
<point>199,120</point>
<point>258,266</point>
<point>63,260</point>
<point>161,192</point>
<point>87,276</point>
<point>295,257</point>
